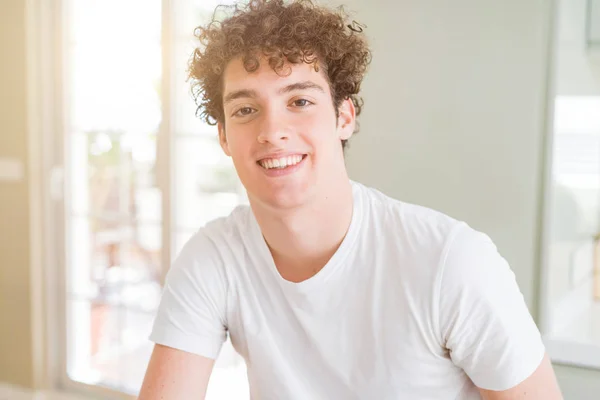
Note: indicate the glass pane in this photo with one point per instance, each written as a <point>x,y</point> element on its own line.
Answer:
<point>114,237</point>
<point>129,20</point>
<point>114,176</point>
<point>575,208</point>
<point>206,184</point>
<point>114,262</point>
<point>113,294</point>
<point>108,345</point>
<point>111,91</point>
<point>115,73</point>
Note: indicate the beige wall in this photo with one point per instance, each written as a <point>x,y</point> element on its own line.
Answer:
<point>15,325</point>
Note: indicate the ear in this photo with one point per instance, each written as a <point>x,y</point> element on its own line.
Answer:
<point>223,138</point>
<point>346,119</point>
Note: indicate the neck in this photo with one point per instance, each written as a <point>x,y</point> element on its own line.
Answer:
<point>303,239</point>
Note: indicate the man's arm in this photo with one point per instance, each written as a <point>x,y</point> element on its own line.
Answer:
<point>541,385</point>
<point>176,374</point>
<point>486,325</point>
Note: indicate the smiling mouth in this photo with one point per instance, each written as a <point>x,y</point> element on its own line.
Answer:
<point>281,162</point>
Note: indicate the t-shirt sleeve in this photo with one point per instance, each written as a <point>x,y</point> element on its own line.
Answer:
<point>191,313</point>
<point>484,320</point>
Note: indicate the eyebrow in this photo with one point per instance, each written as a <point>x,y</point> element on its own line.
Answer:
<point>248,93</point>
<point>238,94</point>
<point>301,86</point>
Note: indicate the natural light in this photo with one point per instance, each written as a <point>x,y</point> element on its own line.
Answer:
<point>115,205</point>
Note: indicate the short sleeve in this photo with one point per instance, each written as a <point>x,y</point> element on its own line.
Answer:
<point>191,314</point>
<point>484,320</point>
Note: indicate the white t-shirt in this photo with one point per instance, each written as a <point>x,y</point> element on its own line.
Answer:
<point>413,305</point>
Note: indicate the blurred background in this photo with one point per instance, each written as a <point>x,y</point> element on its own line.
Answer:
<point>488,111</point>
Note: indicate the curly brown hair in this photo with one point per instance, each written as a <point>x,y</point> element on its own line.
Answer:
<point>296,32</point>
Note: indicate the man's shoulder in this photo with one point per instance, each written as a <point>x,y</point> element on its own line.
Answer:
<point>407,219</point>
<point>221,234</point>
<point>236,222</point>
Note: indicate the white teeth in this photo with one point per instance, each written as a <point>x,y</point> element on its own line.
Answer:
<point>280,162</point>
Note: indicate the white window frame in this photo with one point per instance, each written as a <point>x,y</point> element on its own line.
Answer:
<point>47,106</point>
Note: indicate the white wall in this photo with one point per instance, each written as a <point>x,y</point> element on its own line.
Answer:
<point>454,114</point>
<point>455,119</point>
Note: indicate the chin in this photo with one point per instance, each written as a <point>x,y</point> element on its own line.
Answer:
<point>286,192</point>
<point>283,198</point>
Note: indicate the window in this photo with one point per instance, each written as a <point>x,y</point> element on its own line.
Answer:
<point>142,175</point>
<point>570,289</point>
<point>572,298</point>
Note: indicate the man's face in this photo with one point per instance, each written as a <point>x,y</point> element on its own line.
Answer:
<point>282,133</point>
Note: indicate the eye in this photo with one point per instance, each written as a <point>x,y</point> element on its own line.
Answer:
<point>244,111</point>
<point>301,103</point>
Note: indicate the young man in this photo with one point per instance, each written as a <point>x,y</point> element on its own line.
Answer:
<point>327,288</point>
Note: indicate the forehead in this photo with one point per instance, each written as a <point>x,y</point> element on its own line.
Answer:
<point>265,79</point>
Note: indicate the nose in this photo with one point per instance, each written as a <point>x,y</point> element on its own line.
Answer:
<point>273,128</point>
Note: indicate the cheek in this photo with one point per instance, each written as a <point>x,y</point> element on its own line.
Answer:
<point>239,141</point>
<point>320,126</point>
